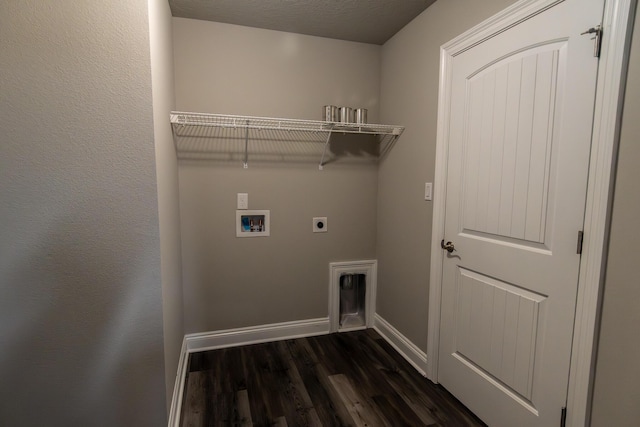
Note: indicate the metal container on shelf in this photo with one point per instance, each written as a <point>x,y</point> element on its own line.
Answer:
<point>347,115</point>
<point>330,113</point>
<point>361,115</point>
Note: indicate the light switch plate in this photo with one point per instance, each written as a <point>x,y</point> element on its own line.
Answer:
<point>243,201</point>
<point>428,191</point>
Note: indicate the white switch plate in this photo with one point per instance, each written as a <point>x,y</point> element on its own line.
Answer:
<point>243,201</point>
<point>428,191</point>
<point>320,224</point>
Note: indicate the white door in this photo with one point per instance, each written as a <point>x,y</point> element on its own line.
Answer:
<point>520,126</point>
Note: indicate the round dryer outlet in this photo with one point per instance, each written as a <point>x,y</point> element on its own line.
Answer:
<point>320,224</point>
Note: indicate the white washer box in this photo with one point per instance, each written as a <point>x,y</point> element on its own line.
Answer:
<point>253,223</point>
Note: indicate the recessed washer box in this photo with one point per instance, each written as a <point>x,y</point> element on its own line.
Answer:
<point>253,223</point>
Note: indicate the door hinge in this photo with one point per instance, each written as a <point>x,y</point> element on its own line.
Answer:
<point>597,30</point>
<point>563,417</point>
<point>580,239</point>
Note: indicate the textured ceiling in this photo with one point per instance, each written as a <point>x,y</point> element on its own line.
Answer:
<point>366,21</point>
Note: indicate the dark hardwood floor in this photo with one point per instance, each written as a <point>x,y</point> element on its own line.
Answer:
<point>346,379</point>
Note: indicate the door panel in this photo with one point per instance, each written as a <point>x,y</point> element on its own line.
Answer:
<point>520,124</point>
<point>511,108</point>
<point>509,316</point>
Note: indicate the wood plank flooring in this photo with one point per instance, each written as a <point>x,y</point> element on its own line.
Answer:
<point>346,379</point>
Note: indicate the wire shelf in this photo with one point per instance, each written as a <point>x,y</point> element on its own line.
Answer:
<point>249,128</point>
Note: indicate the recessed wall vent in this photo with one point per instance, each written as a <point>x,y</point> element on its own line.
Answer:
<point>352,295</point>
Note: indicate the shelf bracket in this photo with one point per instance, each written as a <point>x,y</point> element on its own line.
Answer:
<point>324,151</point>
<point>245,163</point>
<point>386,147</point>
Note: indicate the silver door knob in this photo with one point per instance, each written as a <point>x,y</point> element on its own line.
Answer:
<point>449,247</point>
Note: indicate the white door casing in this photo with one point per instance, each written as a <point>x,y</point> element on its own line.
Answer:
<point>531,231</point>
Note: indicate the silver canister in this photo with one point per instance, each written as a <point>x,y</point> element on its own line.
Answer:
<point>330,113</point>
<point>346,115</point>
<point>361,115</point>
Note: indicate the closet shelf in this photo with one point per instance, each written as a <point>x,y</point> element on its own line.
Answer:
<point>251,128</point>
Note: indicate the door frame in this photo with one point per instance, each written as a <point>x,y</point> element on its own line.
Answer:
<point>617,24</point>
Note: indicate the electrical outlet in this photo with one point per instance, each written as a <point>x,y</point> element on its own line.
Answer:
<point>243,201</point>
<point>320,224</point>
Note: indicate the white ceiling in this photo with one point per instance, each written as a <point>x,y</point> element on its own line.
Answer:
<point>366,21</point>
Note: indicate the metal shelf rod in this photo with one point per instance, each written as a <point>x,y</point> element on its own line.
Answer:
<point>246,148</point>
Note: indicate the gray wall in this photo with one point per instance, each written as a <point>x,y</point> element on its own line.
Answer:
<point>409,96</point>
<point>231,282</point>
<point>161,48</point>
<point>80,295</point>
<point>616,392</point>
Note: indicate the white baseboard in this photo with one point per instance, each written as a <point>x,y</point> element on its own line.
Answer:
<point>402,344</point>
<point>236,337</point>
<point>256,334</point>
<point>178,388</point>
<point>275,332</point>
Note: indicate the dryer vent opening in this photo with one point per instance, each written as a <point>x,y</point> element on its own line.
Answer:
<point>352,300</point>
<point>352,295</point>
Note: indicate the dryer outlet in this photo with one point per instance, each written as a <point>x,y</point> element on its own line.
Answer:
<point>320,224</point>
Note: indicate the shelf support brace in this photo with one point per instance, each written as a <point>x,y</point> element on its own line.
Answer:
<point>245,163</point>
<point>324,151</point>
